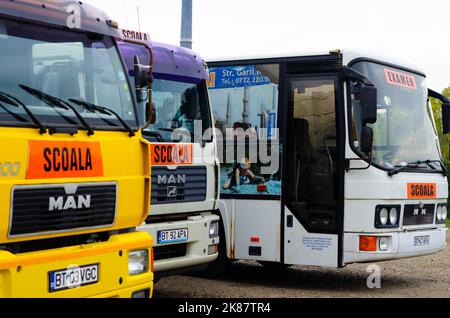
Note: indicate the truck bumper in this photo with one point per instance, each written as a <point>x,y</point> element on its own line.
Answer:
<point>400,245</point>
<point>197,250</point>
<point>27,275</point>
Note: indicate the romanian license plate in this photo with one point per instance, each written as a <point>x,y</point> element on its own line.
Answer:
<point>421,240</point>
<point>73,277</point>
<point>172,236</point>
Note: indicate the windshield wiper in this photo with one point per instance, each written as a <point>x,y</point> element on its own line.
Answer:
<point>103,110</point>
<point>153,134</point>
<point>416,164</point>
<point>56,102</point>
<point>11,100</point>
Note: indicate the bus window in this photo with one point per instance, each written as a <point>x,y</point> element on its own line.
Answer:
<point>245,105</point>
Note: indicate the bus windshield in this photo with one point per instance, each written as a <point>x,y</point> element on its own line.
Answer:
<point>404,132</point>
<point>65,66</point>
<point>182,105</point>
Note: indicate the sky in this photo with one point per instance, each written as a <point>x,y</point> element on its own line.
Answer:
<point>413,31</point>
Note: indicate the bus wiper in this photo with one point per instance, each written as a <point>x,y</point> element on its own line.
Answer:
<point>415,164</point>
<point>105,111</point>
<point>11,100</point>
<point>56,102</point>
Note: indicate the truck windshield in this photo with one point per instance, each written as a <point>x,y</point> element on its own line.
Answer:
<point>404,132</point>
<point>67,66</point>
<point>181,104</point>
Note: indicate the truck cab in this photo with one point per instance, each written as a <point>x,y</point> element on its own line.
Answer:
<point>183,219</point>
<point>75,174</point>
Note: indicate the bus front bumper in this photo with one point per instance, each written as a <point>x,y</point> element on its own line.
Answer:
<point>399,245</point>
<point>31,275</point>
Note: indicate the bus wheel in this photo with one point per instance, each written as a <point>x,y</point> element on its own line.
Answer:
<point>274,265</point>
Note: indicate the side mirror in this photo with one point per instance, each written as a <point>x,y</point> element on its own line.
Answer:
<point>446,118</point>
<point>366,140</point>
<point>368,102</point>
<point>141,80</point>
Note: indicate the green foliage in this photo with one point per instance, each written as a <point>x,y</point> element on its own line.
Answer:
<point>443,139</point>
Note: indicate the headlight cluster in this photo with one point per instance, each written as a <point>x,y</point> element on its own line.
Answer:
<point>138,262</point>
<point>387,216</point>
<point>441,213</point>
<point>214,229</point>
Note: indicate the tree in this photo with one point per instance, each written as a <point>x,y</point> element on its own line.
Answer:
<point>437,113</point>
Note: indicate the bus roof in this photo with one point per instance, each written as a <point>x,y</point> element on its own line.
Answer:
<point>348,55</point>
<point>58,13</point>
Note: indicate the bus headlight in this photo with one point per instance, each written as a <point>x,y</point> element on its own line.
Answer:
<point>384,214</point>
<point>441,213</point>
<point>214,229</point>
<point>393,216</point>
<point>387,216</point>
<point>138,262</point>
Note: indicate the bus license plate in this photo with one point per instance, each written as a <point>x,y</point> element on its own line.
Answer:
<point>172,236</point>
<point>421,240</point>
<point>73,277</point>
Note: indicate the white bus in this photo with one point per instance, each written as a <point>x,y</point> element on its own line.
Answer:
<point>360,175</point>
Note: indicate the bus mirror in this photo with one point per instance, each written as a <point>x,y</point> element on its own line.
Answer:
<point>368,104</point>
<point>366,140</point>
<point>446,118</point>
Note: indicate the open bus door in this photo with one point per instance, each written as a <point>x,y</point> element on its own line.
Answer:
<point>313,170</point>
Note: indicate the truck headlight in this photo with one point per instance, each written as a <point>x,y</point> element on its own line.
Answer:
<point>138,262</point>
<point>214,229</point>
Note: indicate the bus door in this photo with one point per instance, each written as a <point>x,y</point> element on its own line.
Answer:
<point>313,170</point>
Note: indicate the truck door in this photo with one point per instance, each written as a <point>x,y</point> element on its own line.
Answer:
<point>313,170</point>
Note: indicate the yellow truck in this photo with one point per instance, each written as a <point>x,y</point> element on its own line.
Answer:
<point>74,168</point>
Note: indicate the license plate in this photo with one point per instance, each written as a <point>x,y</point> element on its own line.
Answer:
<point>172,236</point>
<point>421,240</point>
<point>73,277</point>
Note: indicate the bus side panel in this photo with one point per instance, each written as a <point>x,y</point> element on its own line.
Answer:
<point>256,229</point>
<point>303,248</point>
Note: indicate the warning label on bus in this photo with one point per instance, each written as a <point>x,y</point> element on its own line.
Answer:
<point>400,79</point>
<point>421,190</point>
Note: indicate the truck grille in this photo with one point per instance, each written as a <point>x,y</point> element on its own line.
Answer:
<point>184,184</point>
<point>415,215</point>
<point>57,208</point>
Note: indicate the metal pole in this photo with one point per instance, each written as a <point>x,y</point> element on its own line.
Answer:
<point>246,105</point>
<point>186,24</point>
<point>139,18</point>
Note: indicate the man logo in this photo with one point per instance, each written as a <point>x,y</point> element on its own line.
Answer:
<point>172,192</point>
<point>69,203</point>
<point>172,179</point>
